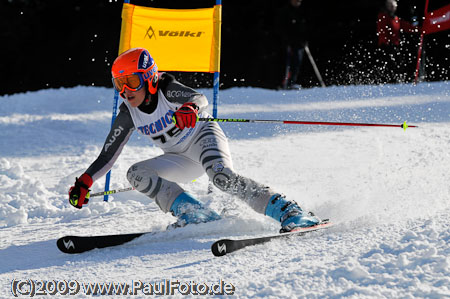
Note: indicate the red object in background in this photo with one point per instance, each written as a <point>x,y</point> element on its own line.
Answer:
<point>388,28</point>
<point>437,20</point>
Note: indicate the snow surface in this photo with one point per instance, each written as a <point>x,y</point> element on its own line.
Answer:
<point>387,190</point>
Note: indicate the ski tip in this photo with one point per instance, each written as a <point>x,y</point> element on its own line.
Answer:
<point>219,248</point>
<point>66,245</point>
<point>325,223</point>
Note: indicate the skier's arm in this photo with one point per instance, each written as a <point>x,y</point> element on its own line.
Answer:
<point>118,136</point>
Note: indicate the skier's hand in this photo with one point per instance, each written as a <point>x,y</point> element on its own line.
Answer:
<point>186,116</point>
<point>78,192</point>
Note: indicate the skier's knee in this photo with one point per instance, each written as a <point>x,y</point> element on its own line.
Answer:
<point>142,178</point>
<point>147,181</point>
<point>254,194</point>
<point>224,178</point>
<point>221,176</point>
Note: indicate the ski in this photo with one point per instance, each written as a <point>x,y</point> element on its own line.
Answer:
<point>79,244</point>
<point>225,246</point>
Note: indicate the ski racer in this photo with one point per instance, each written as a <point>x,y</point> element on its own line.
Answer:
<point>166,111</point>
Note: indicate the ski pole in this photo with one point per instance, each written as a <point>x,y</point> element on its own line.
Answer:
<point>313,63</point>
<point>295,122</point>
<point>88,195</point>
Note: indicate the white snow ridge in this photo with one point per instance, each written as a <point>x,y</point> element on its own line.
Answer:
<point>386,189</point>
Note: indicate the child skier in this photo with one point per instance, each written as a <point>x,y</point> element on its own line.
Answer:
<point>166,112</point>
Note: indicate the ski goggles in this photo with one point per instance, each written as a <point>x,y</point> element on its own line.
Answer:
<point>133,82</point>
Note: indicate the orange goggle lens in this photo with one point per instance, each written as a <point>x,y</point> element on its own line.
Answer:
<point>133,82</point>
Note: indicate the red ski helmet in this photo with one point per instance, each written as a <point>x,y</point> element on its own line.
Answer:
<point>132,69</point>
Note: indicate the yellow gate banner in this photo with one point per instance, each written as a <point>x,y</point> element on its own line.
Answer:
<point>185,40</point>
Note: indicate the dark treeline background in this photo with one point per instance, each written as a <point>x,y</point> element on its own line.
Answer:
<point>55,43</point>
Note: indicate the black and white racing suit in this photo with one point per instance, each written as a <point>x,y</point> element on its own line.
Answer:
<point>188,153</point>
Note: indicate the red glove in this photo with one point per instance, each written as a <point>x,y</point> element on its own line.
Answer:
<point>77,193</point>
<point>186,116</point>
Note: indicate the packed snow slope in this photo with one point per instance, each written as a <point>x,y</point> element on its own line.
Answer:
<point>386,189</point>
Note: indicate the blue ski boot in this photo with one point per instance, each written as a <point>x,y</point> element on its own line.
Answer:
<point>188,210</point>
<point>289,214</point>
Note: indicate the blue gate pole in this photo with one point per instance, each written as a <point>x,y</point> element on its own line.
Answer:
<point>114,113</point>
<point>216,93</point>
<point>216,82</point>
